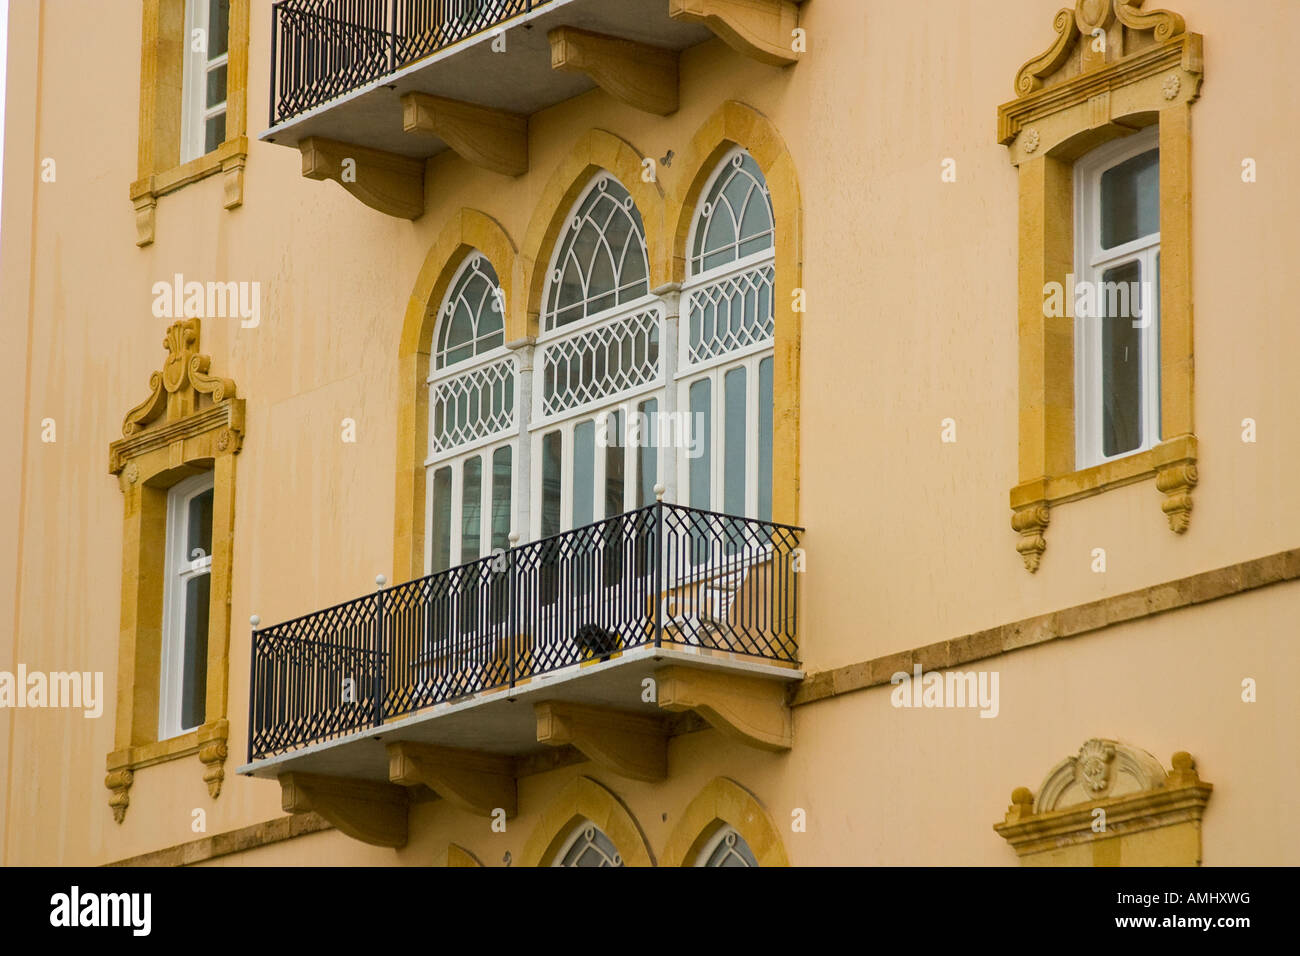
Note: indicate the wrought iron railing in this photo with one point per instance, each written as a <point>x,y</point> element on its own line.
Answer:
<point>321,49</point>
<point>663,575</point>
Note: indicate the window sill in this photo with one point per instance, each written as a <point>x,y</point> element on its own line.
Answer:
<point>208,741</point>
<point>229,158</point>
<point>1172,463</point>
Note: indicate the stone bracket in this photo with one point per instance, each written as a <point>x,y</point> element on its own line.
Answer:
<point>1176,482</point>
<point>644,77</point>
<point>365,810</point>
<point>477,782</point>
<point>629,745</point>
<point>1030,522</point>
<point>761,29</point>
<point>387,182</point>
<point>751,710</point>
<point>212,754</point>
<point>493,139</point>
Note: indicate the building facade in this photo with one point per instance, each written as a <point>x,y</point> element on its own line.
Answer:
<point>649,432</point>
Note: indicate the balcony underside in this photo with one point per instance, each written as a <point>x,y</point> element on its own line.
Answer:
<point>519,81</point>
<point>505,722</point>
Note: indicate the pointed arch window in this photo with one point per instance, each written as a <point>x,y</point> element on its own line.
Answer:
<point>473,420</point>
<point>599,350</point>
<point>587,845</point>
<point>727,332</point>
<point>726,848</point>
<point>601,262</point>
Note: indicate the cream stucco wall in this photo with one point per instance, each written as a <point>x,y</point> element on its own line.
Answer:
<point>911,286</point>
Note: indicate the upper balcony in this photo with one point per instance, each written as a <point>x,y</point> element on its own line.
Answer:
<point>390,83</point>
<point>619,634</point>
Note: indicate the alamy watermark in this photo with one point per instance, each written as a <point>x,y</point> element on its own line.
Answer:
<point>1100,300</point>
<point>950,689</point>
<point>652,430</point>
<point>179,299</point>
<point>74,689</point>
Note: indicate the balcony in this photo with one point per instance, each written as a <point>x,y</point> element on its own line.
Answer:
<point>618,634</point>
<point>387,84</point>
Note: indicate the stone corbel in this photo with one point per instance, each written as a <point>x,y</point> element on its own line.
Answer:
<point>232,180</point>
<point>761,29</point>
<point>212,753</point>
<point>493,139</point>
<point>1176,482</point>
<point>629,745</point>
<point>750,710</point>
<point>479,783</point>
<point>119,782</point>
<point>146,208</point>
<point>372,812</point>
<point>1030,522</point>
<point>387,182</point>
<point>644,77</point>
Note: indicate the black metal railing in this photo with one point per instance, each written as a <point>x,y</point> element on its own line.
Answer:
<point>321,49</point>
<point>663,575</point>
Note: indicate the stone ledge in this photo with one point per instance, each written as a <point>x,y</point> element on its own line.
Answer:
<point>233,841</point>
<point>1069,622</point>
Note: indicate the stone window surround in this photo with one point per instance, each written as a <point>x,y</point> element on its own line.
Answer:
<point>1055,119</point>
<point>161,79</point>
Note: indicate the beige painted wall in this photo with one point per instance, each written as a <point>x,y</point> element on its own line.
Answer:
<point>912,319</point>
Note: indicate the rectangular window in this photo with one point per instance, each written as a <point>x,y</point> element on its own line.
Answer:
<point>1116,299</point>
<point>186,599</point>
<point>207,54</point>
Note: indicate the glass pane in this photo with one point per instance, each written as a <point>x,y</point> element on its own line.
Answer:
<point>198,527</point>
<point>551,448</point>
<point>584,472</point>
<point>194,675</point>
<point>592,848</point>
<point>1130,199</point>
<point>732,850</point>
<point>501,498</point>
<point>700,467</point>
<point>733,450</point>
<point>1121,358</point>
<point>218,30</point>
<point>214,132</point>
<point>216,92</point>
<point>765,440</point>
<point>471,509</point>
<point>647,458</point>
<point>441,531</point>
<point>614,468</point>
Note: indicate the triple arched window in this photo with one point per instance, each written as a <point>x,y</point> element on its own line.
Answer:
<point>623,393</point>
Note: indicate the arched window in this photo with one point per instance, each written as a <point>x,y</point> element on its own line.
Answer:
<point>727,331</point>
<point>601,261</point>
<point>588,845</point>
<point>599,366</point>
<point>472,419</point>
<point>726,848</point>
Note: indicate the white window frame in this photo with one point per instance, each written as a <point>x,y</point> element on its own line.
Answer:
<point>197,65</point>
<point>1091,262</point>
<point>456,462</point>
<point>178,569</point>
<point>702,858</point>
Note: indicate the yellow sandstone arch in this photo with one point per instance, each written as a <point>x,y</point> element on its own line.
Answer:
<point>735,124</point>
<point>583,798</point>
<point>724,802</point>
<point>595,151</point>
<point>467,229</point>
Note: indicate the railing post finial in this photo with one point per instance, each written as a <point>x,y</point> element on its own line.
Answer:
<point>380,581</point>
<point>659,491</point>
<point>254,621</point>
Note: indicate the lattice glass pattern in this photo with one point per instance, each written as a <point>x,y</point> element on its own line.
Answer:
<point>601,263</point>
<point>735,219</point>
<point>476,404</point>
<point>730,313</point>
<point>600,362</point>
<point>731,850</point>
<point>472,319</point>
<point>591,848</point>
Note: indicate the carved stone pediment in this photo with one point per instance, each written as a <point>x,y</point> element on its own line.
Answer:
<point>1096,33</point>
<point>184,400</point>
<point>1101,769</point>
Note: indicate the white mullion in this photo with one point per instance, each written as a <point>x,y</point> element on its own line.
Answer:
<point>597,472</point>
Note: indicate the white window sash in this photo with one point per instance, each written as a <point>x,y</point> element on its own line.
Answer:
<point>178,569</point>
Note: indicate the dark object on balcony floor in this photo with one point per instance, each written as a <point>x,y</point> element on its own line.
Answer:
<point>595,640</point>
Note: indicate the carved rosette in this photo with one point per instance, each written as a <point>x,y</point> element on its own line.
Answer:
<point>213,755</point>
<point>1176,482</point>
<point>119,782</point>
<point>1030,523</point>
